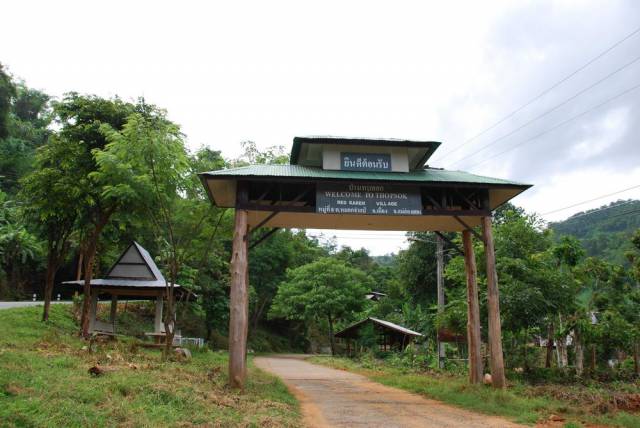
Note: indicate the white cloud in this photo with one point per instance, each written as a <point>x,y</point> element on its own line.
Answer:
<point>268,71</point>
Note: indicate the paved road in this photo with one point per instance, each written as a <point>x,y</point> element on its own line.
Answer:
<point>336,398</point>
<point>7,305</point>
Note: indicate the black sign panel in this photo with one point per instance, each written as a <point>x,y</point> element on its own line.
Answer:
<point>371,199</point>
<point>365,161</point>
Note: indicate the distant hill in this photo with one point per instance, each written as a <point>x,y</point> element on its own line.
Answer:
<point>606,231</point>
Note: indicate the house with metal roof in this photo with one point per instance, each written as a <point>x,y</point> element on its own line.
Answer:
<point>390,336</point>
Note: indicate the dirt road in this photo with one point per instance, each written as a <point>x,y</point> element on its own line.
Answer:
<point>336,398</point>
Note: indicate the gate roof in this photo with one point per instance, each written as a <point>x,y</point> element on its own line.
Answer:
<point>222,186</point>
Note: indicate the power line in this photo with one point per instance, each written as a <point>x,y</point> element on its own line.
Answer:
<point>350,237</point>
<point>599,209</point>
<point>358,235</point>
<point>556,107</point>
<point>546,91</point>
<point>627,213</point>
<point>626,91</point>
<point>591,200</point>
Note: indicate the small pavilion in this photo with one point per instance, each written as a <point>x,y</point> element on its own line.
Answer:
<point>390,336</point>
<point>362,184</point>
<point>134,276</point>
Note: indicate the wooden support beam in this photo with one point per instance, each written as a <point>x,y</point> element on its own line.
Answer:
<point>469,228</point>
<point>471,204</point>
<point>450,242</point>
<point>263,237</point>
<point>493,304</point>
<point>239,298</point>
<point>113,311</point>
<point>245,303</point>
<point>440,290</point>
<point>263,222</point>
<point>473,310</point>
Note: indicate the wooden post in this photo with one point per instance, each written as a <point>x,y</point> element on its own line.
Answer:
<point>440,289</point>
<point>239,297</point>
<point>245,303</point>
<point>114,309</point>
<point>473,310</point>
<point>493,303</point>
<point>157,322</point>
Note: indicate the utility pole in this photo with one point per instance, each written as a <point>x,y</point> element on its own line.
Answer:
<point>440,283</point>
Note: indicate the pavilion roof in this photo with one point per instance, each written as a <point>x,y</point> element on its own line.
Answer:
<point>134,269</point>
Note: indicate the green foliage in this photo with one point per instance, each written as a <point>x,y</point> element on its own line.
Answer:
<point>7,92</point>
<point>274,155</point>
<point>321,289</point>
<point>26,123</point>
<point>19,248</point>
<point>324,290</point>
<point>604,232</point>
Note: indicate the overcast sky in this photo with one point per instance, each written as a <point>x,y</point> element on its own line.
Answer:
<point>444,71</point>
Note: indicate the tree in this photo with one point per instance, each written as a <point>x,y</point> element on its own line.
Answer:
<point>28,123</point>
<point>7,92</point>
<point>51,193</point>
<point>417,268</point>
<point>326,289</point>
<point>253,156</point>
<point>80,119</point>
<point>18,245</point>
<point>147,163</point>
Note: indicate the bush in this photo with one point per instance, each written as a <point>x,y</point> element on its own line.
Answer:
<point>218,341</point>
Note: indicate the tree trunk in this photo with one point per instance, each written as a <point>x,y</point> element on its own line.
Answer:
<point>493,299</point>
<point>636,358</point>
<point>238,304</point>
<point>473,311</point>
<point>547,361</point>
<point>593,358</point>
<point>258,313</point>
<point>561,352</point>
<point>563,359</point>
<point>79,268</point>
<point>579,354</point>
<point>48,286</point>
<point>332,340</point>
<point>88,276</point>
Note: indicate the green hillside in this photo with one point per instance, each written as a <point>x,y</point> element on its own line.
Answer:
<point>606,231</point>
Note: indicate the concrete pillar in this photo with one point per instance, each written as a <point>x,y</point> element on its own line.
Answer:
<point>93,310</point>
<point>157,324</point>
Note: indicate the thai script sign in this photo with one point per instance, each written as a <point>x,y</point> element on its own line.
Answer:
<point>368,199</point>
<point>365,162</point>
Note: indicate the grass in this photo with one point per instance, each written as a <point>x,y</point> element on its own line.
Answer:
<point>44,382</point>
<point>519,402</point>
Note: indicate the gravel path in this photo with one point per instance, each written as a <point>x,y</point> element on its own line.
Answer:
<point>336,398</point>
